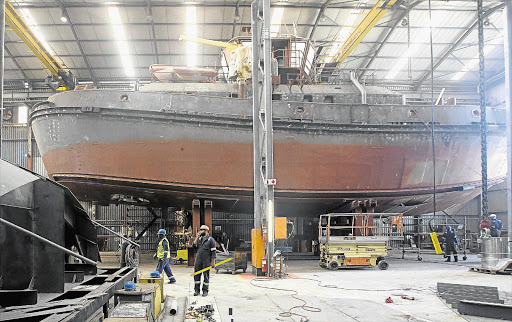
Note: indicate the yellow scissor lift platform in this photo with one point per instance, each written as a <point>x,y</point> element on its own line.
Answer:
<point>357,239</point>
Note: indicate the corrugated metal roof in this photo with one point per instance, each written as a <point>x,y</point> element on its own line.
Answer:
<point>216,20</point>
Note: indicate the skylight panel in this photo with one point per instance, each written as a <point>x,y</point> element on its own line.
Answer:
<point>275,21</point>
<point>191,30</point>
<point>121,41</point>
<point>422,36</point>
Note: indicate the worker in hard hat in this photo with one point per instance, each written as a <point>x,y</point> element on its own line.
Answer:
<point>496,226</point>
<point>450,239</point>
<point>163,254</point>
<point>205,256</point>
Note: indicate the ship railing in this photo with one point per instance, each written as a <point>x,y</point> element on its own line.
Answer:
<point>287,58</point>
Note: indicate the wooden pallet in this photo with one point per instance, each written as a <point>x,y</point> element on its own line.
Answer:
<point>489,271</point>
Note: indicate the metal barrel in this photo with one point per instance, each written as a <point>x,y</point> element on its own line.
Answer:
<point>493,249</point>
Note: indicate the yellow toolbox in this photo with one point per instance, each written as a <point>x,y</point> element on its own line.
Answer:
<point>146,278</point>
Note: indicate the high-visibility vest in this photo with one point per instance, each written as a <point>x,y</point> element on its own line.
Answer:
<point>160,250</point>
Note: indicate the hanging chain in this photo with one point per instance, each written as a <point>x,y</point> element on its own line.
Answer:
<point>483,114</point>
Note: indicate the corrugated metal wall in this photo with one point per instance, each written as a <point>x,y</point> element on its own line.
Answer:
<point>15,144</point>
<point>15,148</point>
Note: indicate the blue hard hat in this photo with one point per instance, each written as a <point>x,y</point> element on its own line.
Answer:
<point>162,232</point>
<point>154,274</point>
<point>448,227</point>
<point>129,286</point>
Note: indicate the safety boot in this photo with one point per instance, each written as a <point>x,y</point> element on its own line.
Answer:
<point>448,259</point>
<point>455,258</point>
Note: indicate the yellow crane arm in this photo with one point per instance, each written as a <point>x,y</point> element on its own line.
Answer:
<point>371,19</point>
<point>222,44</point>
<point>18,24</point>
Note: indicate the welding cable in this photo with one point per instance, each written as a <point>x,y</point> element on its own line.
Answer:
<point>295,294</point>
<point>360,289</point>
<point>131,256</point>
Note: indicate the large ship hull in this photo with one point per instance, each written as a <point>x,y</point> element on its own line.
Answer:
<point>170,148</point>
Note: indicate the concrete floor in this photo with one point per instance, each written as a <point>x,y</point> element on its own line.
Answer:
<point>344,295</point>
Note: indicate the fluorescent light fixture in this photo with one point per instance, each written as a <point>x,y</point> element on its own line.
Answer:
<point>191,31</point>
<point>270,222</point>
<point>475,61</point>
<point>22,114</point>
<point>33,26</point>
<point>275,21</point>
<point>121,42</point>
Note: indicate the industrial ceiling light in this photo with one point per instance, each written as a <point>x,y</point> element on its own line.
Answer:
<point>63,17</point>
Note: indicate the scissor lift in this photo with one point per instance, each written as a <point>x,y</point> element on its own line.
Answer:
<point>357,239</point>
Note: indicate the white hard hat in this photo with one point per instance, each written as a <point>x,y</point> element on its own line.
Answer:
<point>493,216</point>
<point>205,227</point>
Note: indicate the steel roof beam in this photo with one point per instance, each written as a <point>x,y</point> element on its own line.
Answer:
<point>378,47</point>
<point>153,34</point>
<point>468,31</point>
<point>78,43</point>
<point>16,63</point>
<point>318,17</point>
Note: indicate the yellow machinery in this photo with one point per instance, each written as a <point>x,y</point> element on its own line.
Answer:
<point>238,56</point>
<point>258,242</point>
<point>146,278</point>
<point>59,73</point>
<point>181,255</point>
<point>357,239</point>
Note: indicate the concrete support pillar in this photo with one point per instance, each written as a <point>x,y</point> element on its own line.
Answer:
<point>208,210</point>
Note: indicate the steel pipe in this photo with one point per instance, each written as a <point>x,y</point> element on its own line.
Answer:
<point>174,307</point>
<point>46,241</point>
<point>118,235</point>
<point>359,87</point>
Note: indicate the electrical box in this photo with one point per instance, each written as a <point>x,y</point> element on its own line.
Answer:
<point>280,228</point>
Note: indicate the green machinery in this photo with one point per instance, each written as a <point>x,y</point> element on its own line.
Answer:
<point>357,239</point>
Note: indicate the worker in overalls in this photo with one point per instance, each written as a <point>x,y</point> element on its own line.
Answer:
<point>496,226</point>
<point>205,256</point>
<point>450,239</point>
<point>163,254</point>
